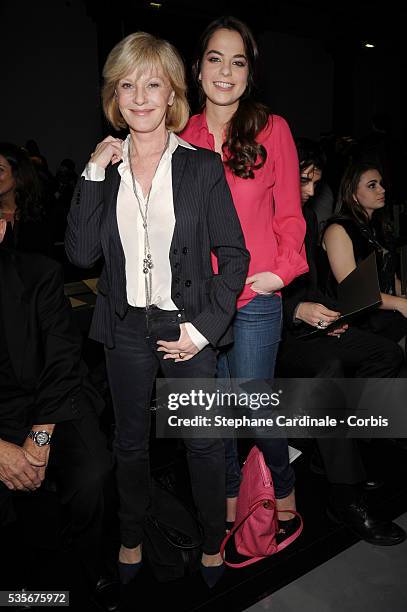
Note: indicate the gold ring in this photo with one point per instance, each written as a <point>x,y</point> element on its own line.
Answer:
<point>181,355</point>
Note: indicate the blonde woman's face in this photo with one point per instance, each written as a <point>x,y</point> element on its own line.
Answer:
<point>224,68</point>
<point>144,98</point>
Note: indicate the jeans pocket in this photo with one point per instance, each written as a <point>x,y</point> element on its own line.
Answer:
<point>168,330</point>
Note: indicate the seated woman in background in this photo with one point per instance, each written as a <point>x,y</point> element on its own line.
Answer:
<point>20,202</point>
<point>318,191</point>
<point>358,353</point>
<point>352,235</point>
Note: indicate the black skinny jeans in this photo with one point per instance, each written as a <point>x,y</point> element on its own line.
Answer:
<point>132,367</point>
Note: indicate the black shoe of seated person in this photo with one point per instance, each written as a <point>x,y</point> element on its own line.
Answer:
<point>360,521</point>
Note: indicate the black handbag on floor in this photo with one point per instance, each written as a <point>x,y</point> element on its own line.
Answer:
<point>172,536</point>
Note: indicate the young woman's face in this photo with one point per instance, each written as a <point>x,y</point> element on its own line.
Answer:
<point>310,178</point>
<point>143,99</point>
<point>224,68</point>
<point>7,180</point>
<point>370,191</point>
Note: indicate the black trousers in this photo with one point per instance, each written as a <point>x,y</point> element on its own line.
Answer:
<point>386,323</point>
<point>357,353</point>
<point>80,464</point>
<point>132,367</point>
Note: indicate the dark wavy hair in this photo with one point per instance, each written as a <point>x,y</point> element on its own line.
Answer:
<point>250,117</point>
<point>348,188</point>
<point>28,187</point>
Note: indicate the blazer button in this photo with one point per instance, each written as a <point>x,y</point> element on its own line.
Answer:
<point>175,251</point>
<point>177,264</point>
<point>188,283</point>
<point>185,250</point>
<point>178,295</point>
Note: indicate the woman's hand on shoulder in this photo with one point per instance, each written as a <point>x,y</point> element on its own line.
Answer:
<point>110,150</point>
<point>265,282</point>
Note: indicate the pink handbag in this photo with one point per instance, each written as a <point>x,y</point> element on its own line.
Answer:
<point>256,522</point>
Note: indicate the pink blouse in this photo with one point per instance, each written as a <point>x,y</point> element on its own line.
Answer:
<point>268,206</point>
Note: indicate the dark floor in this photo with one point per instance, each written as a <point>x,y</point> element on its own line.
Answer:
<point>238,589</point>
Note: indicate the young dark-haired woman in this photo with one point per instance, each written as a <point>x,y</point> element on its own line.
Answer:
<point>261,166</point>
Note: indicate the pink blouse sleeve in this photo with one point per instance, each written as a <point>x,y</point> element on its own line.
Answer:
<point>288,222</point>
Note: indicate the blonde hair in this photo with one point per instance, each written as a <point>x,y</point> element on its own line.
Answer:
<point>142,51</point>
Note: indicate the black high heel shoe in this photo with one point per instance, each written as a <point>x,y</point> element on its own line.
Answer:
<point>212,574</point>
<point>128,571</point>
<point>287,528</point>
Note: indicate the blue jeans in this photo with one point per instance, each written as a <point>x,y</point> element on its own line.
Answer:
<point>257,334</point>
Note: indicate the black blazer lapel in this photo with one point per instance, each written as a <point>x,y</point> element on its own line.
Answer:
<point>110,230</point>
<point>14,308</point>
<point>112,184</point>
<point>180,186</point>
<point>179,160</point>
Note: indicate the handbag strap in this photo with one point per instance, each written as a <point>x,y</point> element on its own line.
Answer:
<point>280,546</point>
<point>294,535</point>
<point>233,531</point>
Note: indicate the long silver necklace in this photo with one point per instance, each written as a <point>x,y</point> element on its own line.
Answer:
<point>148,264</point>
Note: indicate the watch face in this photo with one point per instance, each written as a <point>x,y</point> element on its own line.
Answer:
<point>42,438</point>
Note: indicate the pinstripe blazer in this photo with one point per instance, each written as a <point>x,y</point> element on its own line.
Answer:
<point>205,221</point>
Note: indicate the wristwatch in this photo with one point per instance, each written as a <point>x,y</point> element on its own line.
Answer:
<point>41,438</point>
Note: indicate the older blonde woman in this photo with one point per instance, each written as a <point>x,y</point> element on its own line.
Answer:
<point>155,207</point>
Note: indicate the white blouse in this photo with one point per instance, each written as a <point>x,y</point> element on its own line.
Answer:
<point>161,223</point>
